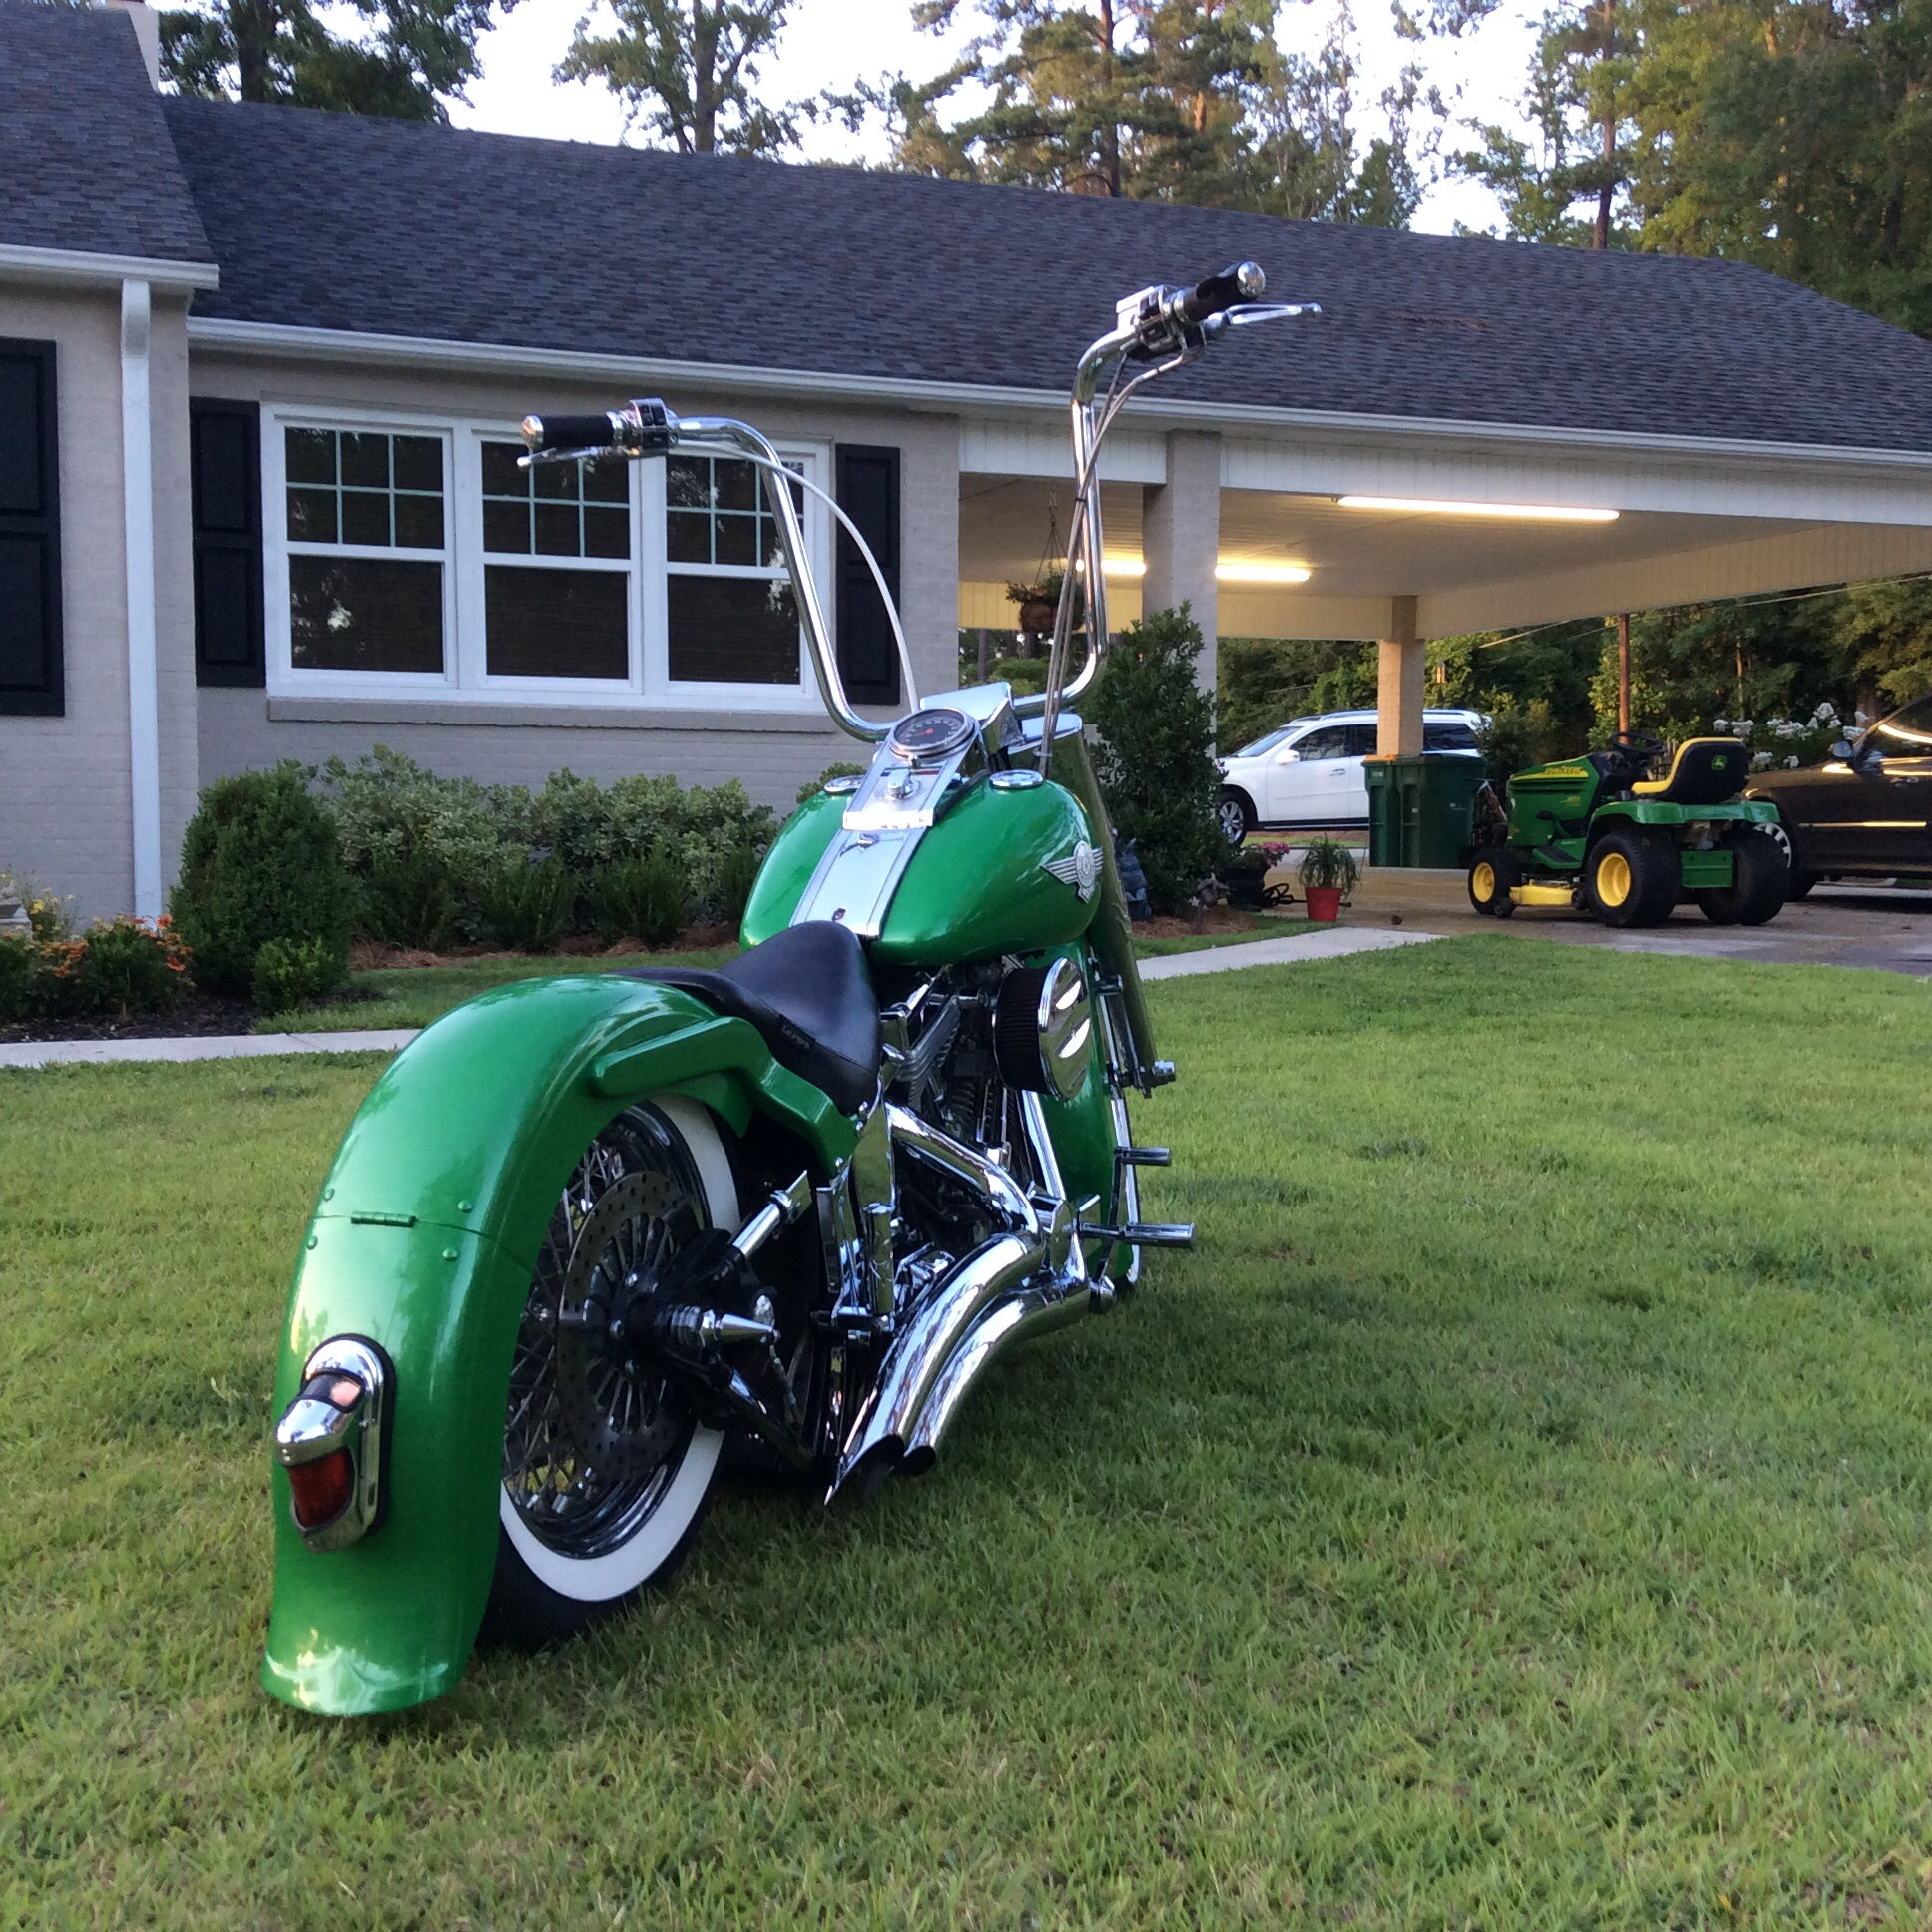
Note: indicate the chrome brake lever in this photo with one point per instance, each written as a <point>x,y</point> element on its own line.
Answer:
<point>1245,312</point>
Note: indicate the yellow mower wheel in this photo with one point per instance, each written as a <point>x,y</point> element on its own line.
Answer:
<point>1629,878</point>
<point>1491,874</point>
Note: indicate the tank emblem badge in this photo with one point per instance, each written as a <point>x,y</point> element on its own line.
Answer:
<point>1079,869</point>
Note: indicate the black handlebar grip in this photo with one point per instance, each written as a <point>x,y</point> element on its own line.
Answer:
<point>1242,283</point>
<point>570,433</point>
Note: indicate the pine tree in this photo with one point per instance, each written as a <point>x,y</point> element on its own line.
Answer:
<point>687,72</point>
<point>410,58</point>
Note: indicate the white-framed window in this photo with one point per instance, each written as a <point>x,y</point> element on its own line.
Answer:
<point>412,557</point>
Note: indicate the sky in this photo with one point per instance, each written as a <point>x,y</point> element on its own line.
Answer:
<point>831,43</point>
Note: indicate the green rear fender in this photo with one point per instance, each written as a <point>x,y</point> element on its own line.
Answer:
<point>425,1242</point>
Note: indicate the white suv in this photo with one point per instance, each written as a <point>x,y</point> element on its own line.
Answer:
<point>1308,772</point>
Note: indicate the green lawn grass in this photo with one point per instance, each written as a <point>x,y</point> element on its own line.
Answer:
<point>412,995</point>
<point>1512,1514</point>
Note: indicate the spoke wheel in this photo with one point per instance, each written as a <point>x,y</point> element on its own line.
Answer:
<point>606,1465</point>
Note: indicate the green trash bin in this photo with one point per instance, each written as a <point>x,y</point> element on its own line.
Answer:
<point>1384,811</point>
<point>1420,811</point>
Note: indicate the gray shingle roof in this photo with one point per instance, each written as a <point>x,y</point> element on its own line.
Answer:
<point>85,159</point>
<point>336,222</point>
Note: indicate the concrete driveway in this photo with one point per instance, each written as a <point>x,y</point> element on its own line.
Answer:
<point>1838,925</point>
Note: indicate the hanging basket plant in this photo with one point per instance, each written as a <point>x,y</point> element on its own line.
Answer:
<point>1038,601</point>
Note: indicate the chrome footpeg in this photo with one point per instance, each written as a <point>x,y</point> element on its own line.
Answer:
<point>1141,1234</point>
<point>1159,1234</point>
<point>1144,1157</point>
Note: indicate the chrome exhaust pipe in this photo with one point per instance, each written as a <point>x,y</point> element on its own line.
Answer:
<point>1032,1311</point>
<point>924,1351</point>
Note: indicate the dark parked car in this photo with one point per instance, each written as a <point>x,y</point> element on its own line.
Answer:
<point>1865,814</point>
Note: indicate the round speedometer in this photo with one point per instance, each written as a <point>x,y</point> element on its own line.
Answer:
<point>932,734</point>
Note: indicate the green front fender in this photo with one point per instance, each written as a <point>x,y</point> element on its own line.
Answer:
<point>424,1241</point>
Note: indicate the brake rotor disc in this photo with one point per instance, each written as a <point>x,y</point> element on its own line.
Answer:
<point>620,1416</point>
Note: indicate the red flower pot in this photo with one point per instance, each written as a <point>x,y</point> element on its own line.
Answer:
<point>1325,902</point>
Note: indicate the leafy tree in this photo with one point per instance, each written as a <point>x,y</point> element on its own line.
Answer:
<point>1791,134</point>
<point>1884,630</point>
<point>1577,100</point>
<point>687,70</point>
<point>1155,754</point>
<point>405,57</point>
<point>1191,101</point>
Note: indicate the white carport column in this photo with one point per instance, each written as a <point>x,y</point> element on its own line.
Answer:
<point>138,524</point>
<point>1399,684</point>
<point>1180,540</point>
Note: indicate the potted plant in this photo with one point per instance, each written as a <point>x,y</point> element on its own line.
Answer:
<point>1243,876</point>
<point>1328,873</point>
<point>1038,601</point>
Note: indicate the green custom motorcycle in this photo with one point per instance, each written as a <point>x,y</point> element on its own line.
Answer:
<point>586,1230</point>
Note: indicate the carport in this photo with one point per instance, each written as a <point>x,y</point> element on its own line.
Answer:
<point>1483,435</point>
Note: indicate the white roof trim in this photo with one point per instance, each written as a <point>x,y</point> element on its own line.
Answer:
<point>81,264</point>
<point>428,353</point>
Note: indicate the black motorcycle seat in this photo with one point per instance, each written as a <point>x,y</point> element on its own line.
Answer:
<point>808,991</point>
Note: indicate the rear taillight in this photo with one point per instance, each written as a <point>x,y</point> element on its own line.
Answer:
<point>332,1439</point>
<point>322,1489</point>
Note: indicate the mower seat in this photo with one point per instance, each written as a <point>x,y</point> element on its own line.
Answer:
<point>1705,772</point>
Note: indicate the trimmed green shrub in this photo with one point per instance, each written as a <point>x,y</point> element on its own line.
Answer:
<point>1155,755</point>
<point>641,898</point>
<point>409,899</point>
<point>737,873</point>
<point>291,972</point>
<point>122,966</point>
<point>813,786</point>
<point>525,905</point>
<point>259,862</point>
<point>27,987</point>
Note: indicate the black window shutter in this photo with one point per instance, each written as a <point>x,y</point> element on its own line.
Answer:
<point>30,560</point>
<point>868,493</point>
<point>225,470</point>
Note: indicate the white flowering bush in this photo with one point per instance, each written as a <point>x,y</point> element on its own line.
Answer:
<point>1788,742</point>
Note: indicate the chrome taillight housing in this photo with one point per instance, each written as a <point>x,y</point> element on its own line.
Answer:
<point>332,1441</point>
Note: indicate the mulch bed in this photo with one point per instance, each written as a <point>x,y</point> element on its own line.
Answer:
<point>193,1017</point>
<point>1213,919</point>
<point>371,956</point>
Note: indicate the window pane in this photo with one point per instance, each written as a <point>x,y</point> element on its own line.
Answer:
<point>365,460</point>
<point>555,481</point>
<point>732,630</point>
<point>419,522</point>
<point>557,531</point>
<point>736,540</point>
<point>607,482</point>
<point>501,477</point>
<point>419,463</point>
<point>688,539</point>
<point>506,526</point>
<point>311,456</point>
<point>366,517</point>
<point>687,482</point>
<point>558,622</point>
<point>311,516</point>
<point>365,613</point>
<point>735,485</point>
<point>607,533</point>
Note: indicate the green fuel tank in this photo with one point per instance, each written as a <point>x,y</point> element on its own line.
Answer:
<point>981,883</point>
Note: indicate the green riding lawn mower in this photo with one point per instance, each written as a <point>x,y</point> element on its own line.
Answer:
<point>1599,834</point>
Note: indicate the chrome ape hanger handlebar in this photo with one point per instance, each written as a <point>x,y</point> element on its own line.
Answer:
<point>1155,330</point>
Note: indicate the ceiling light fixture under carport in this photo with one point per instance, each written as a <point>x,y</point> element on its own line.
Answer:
<point>1429,506</point>
<point>1226,573</point>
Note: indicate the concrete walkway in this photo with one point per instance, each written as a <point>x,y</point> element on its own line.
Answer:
<point>1336,943</point>
<point>215,1045</point>
<point>246,1046</point>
